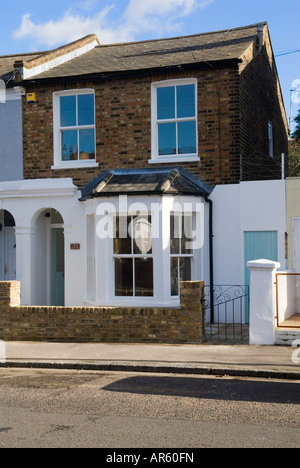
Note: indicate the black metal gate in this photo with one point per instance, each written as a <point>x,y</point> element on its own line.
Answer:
<point>226,310</point>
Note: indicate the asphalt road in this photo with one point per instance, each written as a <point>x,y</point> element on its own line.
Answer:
<point>41,409</point>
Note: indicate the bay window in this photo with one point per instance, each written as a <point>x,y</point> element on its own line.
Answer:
<point>143,247</point>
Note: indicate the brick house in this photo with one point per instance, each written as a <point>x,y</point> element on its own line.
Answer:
<point>134,137</point>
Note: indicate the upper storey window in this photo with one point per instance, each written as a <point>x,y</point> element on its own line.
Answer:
<point>271,140</point>
<point>74,129</point>
<point>174,121</point>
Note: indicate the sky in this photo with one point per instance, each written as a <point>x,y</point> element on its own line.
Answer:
<point>35,25</point>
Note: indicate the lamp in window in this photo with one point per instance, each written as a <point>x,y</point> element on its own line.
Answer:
<point>142,235</point>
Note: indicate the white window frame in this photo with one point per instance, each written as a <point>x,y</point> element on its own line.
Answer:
<point>132,256</point>
<point>57,132</point>
<point>181,255</point>
<point>155,157</point>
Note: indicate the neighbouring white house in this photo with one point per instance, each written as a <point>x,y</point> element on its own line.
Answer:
<point>293,222</point>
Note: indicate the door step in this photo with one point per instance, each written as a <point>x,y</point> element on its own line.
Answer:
<point>286,337</point>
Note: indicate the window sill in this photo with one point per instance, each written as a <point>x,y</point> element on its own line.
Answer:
<point>74,165</point>
<point>174,159</point>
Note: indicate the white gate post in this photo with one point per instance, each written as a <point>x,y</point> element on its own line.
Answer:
<point>262,301</point>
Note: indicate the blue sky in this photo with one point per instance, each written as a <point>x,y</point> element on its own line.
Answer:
<point>32,25</point>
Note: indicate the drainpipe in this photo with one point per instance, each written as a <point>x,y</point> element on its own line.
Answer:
<point>211,259</point>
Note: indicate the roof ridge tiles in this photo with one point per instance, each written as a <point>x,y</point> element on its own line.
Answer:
<point>241,28</point>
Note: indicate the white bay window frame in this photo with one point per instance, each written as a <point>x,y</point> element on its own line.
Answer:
<point>104,253</point>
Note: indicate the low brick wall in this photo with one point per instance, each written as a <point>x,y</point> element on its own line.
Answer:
<point>103,325</point>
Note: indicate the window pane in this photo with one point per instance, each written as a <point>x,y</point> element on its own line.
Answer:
<point>167,139</point>
<point>68,111</point>
<point>187,233</point>
<point>185,269</point>
<point>175,234</point>
<point>86,113</point>
<point>166,103</point>
<point>142,231</point>
<point>174,277</point>
<point>56,217</point>
<point>186,101</point>
<point>180,271</point>
<point>271,143</point>
<point>69,145</point>
<point>87,144</point>
<point>124,276</point>
<point>144,277</point>
<point>187,138</point>
<point>122,243</point>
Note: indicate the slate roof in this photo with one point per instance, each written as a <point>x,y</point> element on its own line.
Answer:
<point>160,181</point>
<point>179,51</point>
<point>7,63</point>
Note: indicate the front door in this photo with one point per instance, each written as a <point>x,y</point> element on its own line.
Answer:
<point>57,267</point>
<point>259,245</point>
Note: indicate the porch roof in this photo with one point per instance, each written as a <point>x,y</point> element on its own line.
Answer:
<point>161,181</point>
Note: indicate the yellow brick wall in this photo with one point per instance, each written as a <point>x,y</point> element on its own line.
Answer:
<point>103,325</point>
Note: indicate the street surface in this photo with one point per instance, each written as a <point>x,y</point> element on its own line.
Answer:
<point>40,409</point>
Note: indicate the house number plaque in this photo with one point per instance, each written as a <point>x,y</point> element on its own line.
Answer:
<point>75,246</point>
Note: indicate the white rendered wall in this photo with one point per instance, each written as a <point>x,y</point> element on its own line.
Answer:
<point>248,206</point>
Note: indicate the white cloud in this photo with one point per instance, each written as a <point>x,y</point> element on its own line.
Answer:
<point>87,4</point>
<point>159,16</point>
<point>66,29</point>
<point>138,10</point>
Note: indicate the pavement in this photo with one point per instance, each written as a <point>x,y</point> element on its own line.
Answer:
<point>233,360</point>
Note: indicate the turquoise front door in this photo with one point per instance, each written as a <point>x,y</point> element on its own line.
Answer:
<point>259,245</point>
<point>57,267</point>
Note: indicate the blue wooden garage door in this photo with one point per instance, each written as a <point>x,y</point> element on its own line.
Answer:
<point>259,245</point>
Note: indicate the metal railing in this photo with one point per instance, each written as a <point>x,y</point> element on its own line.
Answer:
<point>228,316</point>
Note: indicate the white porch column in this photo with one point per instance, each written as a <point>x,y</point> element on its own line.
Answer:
<point>25,258</point>
<point>262,301</point>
